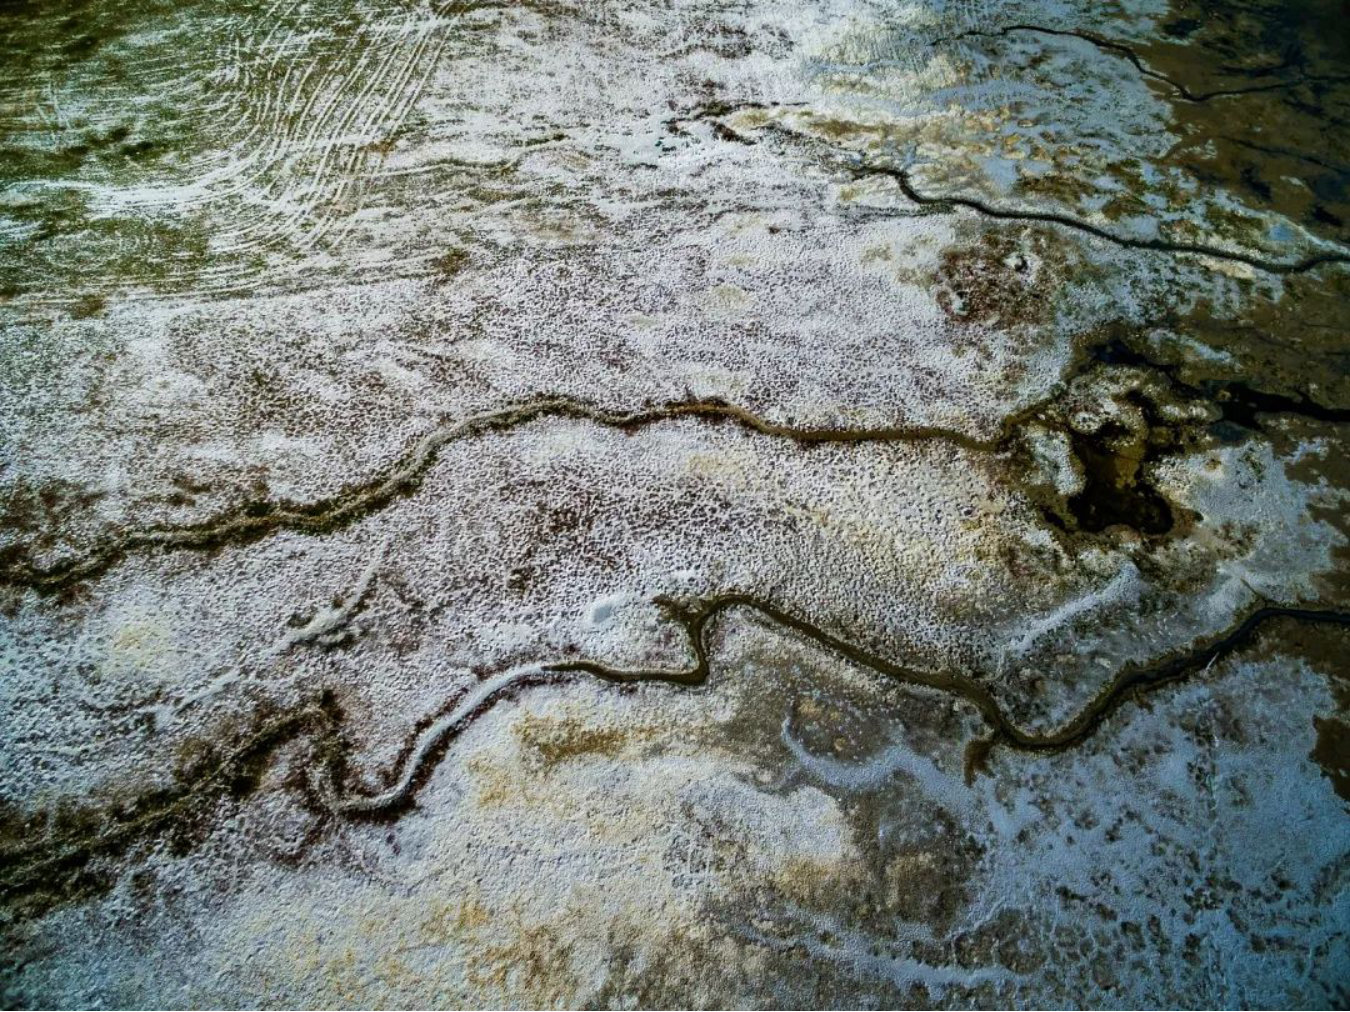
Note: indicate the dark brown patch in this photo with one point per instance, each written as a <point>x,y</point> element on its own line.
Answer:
<point>1332,752</point>
<point>999,279</point>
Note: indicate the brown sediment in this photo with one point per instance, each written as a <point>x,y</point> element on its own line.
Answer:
<point>58,869</point>
<point>1281,152</point>
<point>862,168</point>
<point>1132,54</point>
<point>1298,345</point>
<point>1238,402</point>
<point>1332,752</point>
<point>1115,492</point>
<point>1331,747</point>
<point>697,617</point>
<point>1115,460</point>
<point>995,282</point>
<point>258,518</point>
<point>946,203</point>
<point>551,741</point>
<point>261,516</point>
<point>1270,41</point>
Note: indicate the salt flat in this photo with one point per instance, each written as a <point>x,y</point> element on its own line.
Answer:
<point>672,504</point>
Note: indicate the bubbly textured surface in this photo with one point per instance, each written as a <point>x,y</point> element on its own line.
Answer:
<point>510,503</point>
